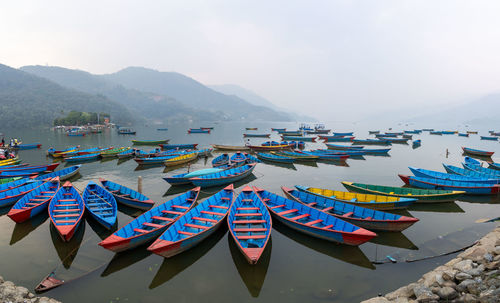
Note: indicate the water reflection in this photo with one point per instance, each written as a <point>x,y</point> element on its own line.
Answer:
<point>100,230</point>
<point>125,259</point>
<point>67,251</point>
<point>447,207</point>
<point>394,239</point>
<point>334,162</point>
<point>171,267</point>
<point>129,211</point>
<point>252,275</point>
<point>345,253</point>
<point>4,210</point>
<point>21,230</point>
<point>282,165</point>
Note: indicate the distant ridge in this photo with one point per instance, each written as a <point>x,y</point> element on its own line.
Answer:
<point>27,100</point>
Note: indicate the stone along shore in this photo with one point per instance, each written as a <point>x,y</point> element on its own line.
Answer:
<point>10,293</point>
<point>473,276</point>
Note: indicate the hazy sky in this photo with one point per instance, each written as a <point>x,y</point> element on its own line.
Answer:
<point>324,58</point>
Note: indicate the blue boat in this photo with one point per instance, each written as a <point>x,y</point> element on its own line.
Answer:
<point>417,131</point>
<point>224,177</point>
<point>360,216</point>
<point>469,173</point>
<point>66,211</point>
<point>294,144</point>
<point>34,202</point>
<point>83,152</point>
<point>341,155</point>
<point>127,196</point>
<point>365,151</point>
<point>326,152</point>
<point>256,135</point>
<point>439,133</point>
<point>30,169</point>
<point>82,158</point>
<point>313,222</point>
<point>63,174</point>
<point>481,169</point>
<point>371,142</point>
<point>52,150</point>
<point>143,154</point>
<point>13,184</point>
<point>386,136</point>
<point>183,179</point>
<point>27,146</point>
<point>11,196</point>
<point>271,143</point>
<point>195,226</point>
<point>477,152</point>
<point>198,131</point>
<point>178,146</point>
<point>249,224</point>
<point>296,138</point>
<point>470,160</point>
<point>238,159</point>
<point>154,160</point>
<point>494,165</point>
<point>342,134</point>
<point>100,204</point>
<point>463,134</point>
<point>417,142</point>
<point>251,159</point>
<point>126,154</point>
<point>489,138</point>
<point>148,226</point>
<point>275,158</point>
<point>430,174</point>
<point>338,146</point>
<point>394,140</point>
<point>469,187</point>
<point>220,160</point>
<point>162,129</point>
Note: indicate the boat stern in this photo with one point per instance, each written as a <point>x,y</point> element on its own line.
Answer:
<point>358,237</point>
<point>405,178</point>
<point>115,243</point>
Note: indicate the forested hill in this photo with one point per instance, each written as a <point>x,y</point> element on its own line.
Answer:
<point>143,104</point>
<point>194,94</point>
<point>30,101</point>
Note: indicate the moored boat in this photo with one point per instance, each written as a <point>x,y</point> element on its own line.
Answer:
<point>370,142</point>
<point>153,160</point>
<point>298,156</point>
<point>12,195</point>
<point>181,159</point>
<point>249,224</point>
<point>113,152</point>
<point>229,147</point>
<point>148,226</point>
<point>489,138</point>
<point>87,157</point>
<point>100,204</point>
<point>422,195</point>
<point>34,202</point>
<point>256,135</point>
<point>360,216</point>
<point>470,172</point>
<point>27,146</point>
<point>336,138</point>
<point>378,202</point>
<point>150,142</point>
<point>198,131</point>
<point>463,134</point>
<point>312,221</point>
<point>63,174</point>
<point>127,196</point>
<point>477,152</point>
<point>220,160</point>
<point>430,174</point>
<point>126,154</point>
<point>342,134</point>
<point>178,146</point>
<point>342,147</point>
<point>468,187</point>
<point>481,169</point>
<point>224,177</point>
<point>66,211</point>
<point>304,139</point>
<point>183,179</point>
<point>275,158</point>
<point>238,159</point>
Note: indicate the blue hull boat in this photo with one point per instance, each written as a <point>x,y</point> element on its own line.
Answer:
<point>178,146</point>
<point>195,226</point>
<point>342,134</point>
<point>342,147</point>
<point>249,224</point>
<point>489,138</point>
<point>63,174</point>
<point>238,159</point>
<point>467,172</point>
<point>468,187</point>
<point>313,222</point>
<point>224,177</point>
<point>127,196</point>
<point>66,211</point>
<point>100,204</point>
<point>275,158</point>
<point>220,160</point>
<point>82,158</point>
<point>183,179</point>
<point>430,174</point>
<point>148,226</point>
<point>482,170</point>
<point>11,196</point>
<point>371,142</point>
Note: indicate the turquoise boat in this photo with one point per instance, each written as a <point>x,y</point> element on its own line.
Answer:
<point>224,177</point>
<point>469,187</point>
<point>424,173</point>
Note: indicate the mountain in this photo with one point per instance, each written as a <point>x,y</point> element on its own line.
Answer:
<point>30,101</point>
<point>250,96</point>
<point>143,104</point>
<point>194,94</point>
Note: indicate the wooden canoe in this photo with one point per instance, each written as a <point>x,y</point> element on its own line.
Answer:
<point>100,204</point>
<point>229,147</point>
<point>127,196</point>
<point>66,211</point>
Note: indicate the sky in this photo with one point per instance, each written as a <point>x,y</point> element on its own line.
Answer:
<point>322,58</point>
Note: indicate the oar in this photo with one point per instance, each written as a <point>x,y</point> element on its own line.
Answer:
<point>100,198</point>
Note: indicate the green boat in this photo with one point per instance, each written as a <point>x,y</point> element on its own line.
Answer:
<point>149,142</point>
<point>422,195</point>
<point>7,180</point>
<point>113,152</point>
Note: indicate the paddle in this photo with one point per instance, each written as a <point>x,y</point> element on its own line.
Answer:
<point>94,193</point>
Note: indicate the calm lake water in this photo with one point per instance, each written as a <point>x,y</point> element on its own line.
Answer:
<point>294,268</point>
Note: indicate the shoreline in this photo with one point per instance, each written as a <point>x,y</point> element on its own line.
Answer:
<point>472,276</point>
<point>11,293</point>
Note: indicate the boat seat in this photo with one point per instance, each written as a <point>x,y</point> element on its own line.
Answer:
<point>153,225</point>
<point>171,212</point>
<point>249,229</point>
<point>312,204</point>
<point>248,215</point>
<point>251,237</point>
<point>265,200</point>
<point>225,198</point>
<point>278,206</point>
<point>218,206</point>
<point>67,215</point>
<point>162,218</point>
<point>300,217</point>
<point>327,209</point>
<point>196,226</point>
<point>180,206</point>
<point>143,231</point>
<point>47,192</point>
<point>205,219</point>
<point>286,212</point>
<point>67,194</point>
<point>66,221</point>
<point>66,210</point>
<point>368,218</point>
<point>66,205</point>
<point>29,203</point>
<point>246,200</point>
<point>313,222</point>
<point>212,213</point>
<point>185,233</point>
<point>67,200</point>
<point>328,226</point>
<point>247,208</point>
<point>249,221</point>
<point>38,199</point>
<point>347,215</point>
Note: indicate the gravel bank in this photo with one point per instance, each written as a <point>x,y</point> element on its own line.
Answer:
<point>10,293</point>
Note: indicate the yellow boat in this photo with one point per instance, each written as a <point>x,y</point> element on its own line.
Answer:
<point>59,155</point>
<point>12,161</point>
<point>181,159</point>
<point>378,202</point>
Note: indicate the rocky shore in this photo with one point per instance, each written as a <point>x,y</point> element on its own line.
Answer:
<point>10,293</point>
<point>473,276</point>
